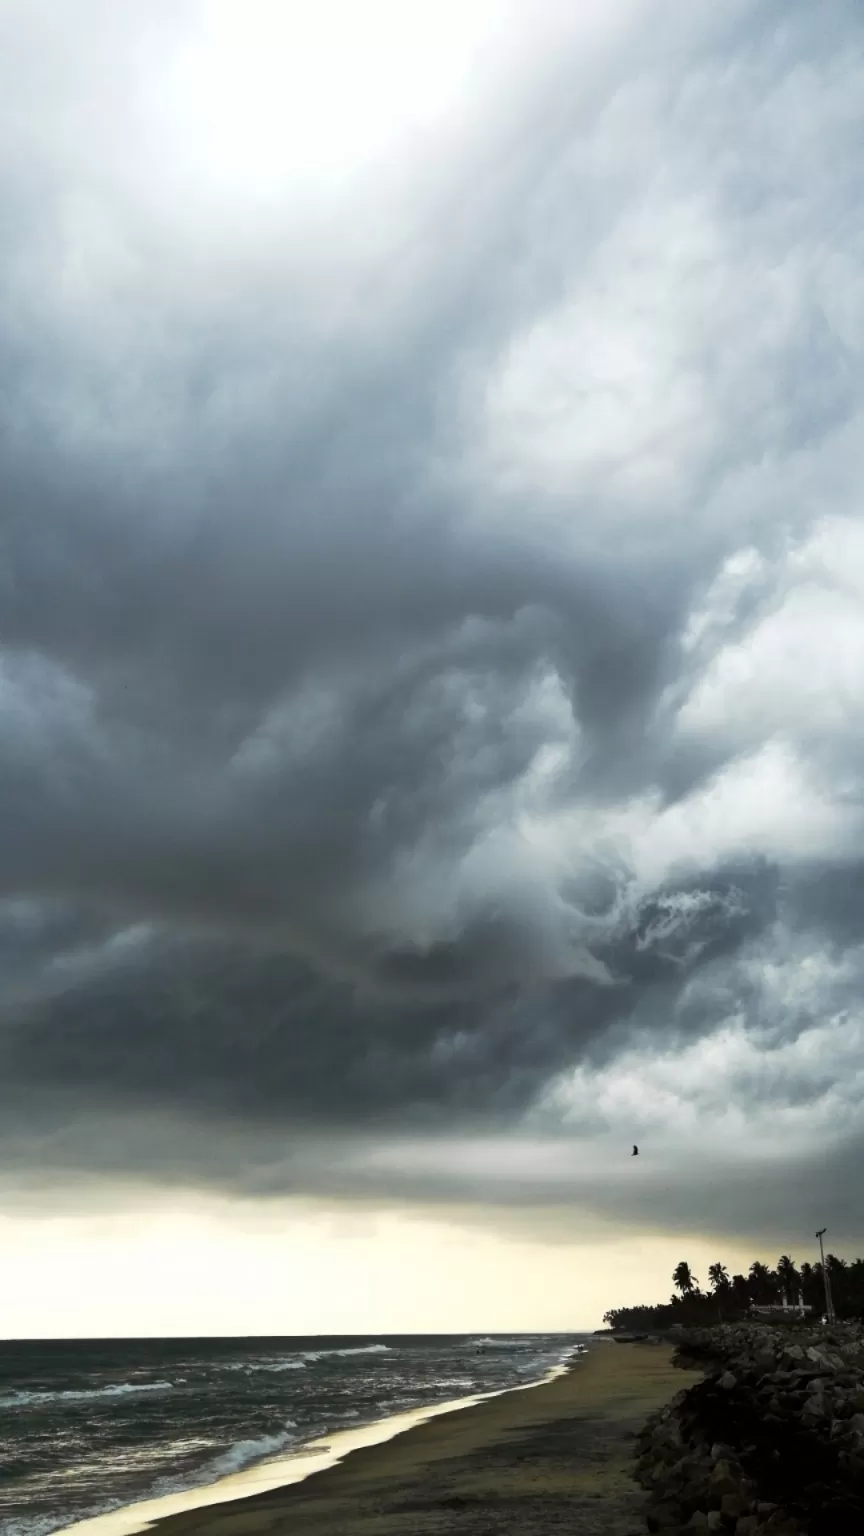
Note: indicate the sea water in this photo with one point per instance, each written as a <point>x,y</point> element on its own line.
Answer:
<point>88,1425</point>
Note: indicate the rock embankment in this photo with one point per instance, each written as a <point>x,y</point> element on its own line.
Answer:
<point>771,1440</point>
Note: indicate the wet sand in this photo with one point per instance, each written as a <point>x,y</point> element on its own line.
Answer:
<point>555,1458</point>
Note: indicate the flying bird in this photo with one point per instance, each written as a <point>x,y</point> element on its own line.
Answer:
<point>635,1152</point>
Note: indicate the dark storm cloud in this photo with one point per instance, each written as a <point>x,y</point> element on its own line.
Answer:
<point>371,750</point>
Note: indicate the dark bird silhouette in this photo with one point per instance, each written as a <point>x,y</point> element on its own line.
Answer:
<point>635,1152</point>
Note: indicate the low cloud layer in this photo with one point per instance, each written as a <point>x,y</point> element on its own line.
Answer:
<point>432,621</point>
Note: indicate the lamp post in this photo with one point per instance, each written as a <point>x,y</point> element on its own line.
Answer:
<point>829,1303</point>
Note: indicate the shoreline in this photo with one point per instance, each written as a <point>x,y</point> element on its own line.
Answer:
<point>525,1461</point>
<point>290,1469</point>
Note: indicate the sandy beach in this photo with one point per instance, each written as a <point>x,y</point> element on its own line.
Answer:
<point>557,1457</point>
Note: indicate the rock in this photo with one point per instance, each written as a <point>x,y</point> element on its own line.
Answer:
<point>668,1433</point>
<point>732,1505</point>
<point>722,1481</point>
<point>663,1517</point>
<point>765,1361</point>
<point>791,1408</point>
<point>696,1496</point>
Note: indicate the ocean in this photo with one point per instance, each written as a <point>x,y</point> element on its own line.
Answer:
<point>88,1425</point>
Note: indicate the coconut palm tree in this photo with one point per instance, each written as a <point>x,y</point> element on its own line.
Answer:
<point>810,1282</point>
<point>789,1277</point>
<point>720,1285</point>
<point>740,1292</point>
<point>684,1280</point>
<point>838,1278</point>
<point>763,1284</point>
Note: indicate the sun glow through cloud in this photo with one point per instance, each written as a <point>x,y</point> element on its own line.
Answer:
<point>264,94</point>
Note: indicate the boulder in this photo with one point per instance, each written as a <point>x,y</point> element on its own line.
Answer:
<point>732,1505</point>
<point>663,1517</point>
<point>775,1415</point>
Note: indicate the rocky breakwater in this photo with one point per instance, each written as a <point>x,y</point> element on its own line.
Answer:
<point>771,1440</point>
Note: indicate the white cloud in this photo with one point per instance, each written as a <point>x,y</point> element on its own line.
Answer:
<point>797,672</point>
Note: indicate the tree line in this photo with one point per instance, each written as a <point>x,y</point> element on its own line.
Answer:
<point>731,1296</point>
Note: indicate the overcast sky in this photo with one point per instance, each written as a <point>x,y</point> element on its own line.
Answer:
<point>432,627</point>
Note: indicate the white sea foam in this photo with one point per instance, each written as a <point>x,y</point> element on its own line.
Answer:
<point>358,1349</point>
<point>300,1362</point>
<point>121,1389</point>
<point>30,1525</point>
<point>244,1452</point>
<point>488,1343</point>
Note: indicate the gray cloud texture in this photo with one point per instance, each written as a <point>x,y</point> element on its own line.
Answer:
<point>432,628</point>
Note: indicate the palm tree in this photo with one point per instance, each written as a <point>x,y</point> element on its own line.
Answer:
<point>720,1285</point>
<point>741,1292</point>
<point>856,1286</point>
<point>810,1281</point>
<point>684,1280</point>
<point>837,1275</point>
<point>763,1285</point>
<point>789,1278</point>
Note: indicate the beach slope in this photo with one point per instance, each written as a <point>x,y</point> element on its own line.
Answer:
<point>558,1457</point>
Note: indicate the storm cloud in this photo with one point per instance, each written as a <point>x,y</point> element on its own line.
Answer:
<point>432,621</point>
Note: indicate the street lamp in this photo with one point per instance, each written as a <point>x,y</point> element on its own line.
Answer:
<point>829,1304</point>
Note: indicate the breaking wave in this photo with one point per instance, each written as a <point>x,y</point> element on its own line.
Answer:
<point>359,1349</point>
<point>246,1452</point>
<point>121,1389</point>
